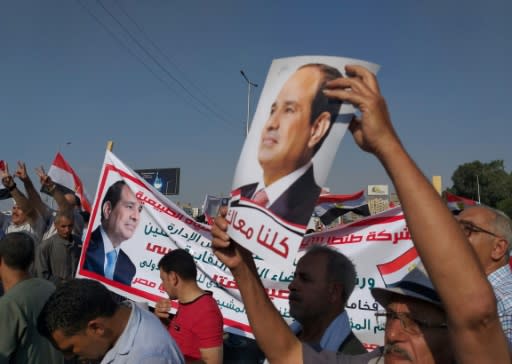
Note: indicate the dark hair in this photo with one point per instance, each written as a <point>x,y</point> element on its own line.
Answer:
<point>321,102</point>
<point>113,195</point>
<point>85,215</point>
<point>17,250</point>
<point>73,305</point>
<point>76,199</point>
<point>180,262</point>
<point>339,269</point>
<point>66,213</point>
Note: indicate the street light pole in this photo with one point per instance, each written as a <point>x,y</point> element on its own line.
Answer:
<point>478,189</point>
<point>249,85</point>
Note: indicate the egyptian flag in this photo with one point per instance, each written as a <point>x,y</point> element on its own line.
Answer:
<point>457,203</point>
<point>68,181</point>
<point>329,207</point>
<point>393,271</point>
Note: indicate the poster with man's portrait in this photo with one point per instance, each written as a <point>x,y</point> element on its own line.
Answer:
<point>287,155</point>
<point>132,226</point>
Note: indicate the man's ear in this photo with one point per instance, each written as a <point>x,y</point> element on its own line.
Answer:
<point>96,327</point>
<point>174,278</point>
<point>319,128</point>
<point>107,209</point>
<point>499,249</point>
<point>335,292</point>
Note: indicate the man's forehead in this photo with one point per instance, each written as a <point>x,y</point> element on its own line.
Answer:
<point>64,220</point>
<point>303,82</point>
<point>61,340</point>
<point>399,303</point>
<point>475,214</point>
<point>314,262</point>
<point>127,194</point>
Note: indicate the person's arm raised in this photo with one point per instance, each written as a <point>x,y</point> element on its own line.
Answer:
<point>33,195</point>
<point>467,296</point>
<point>21,200</point>
<point>270,330</point>
<point>51,187</point>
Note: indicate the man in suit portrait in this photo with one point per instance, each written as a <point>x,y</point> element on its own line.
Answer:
<point>120,216</point>
<point>300,120</point>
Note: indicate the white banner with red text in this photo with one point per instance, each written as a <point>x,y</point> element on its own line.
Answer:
<point>379,246</point>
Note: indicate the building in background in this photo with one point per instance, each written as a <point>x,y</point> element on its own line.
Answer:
<point>378,198</point>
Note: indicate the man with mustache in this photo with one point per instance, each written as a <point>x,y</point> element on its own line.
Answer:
<point>466,329</point>
<point>321,286</point>
<point>300,120</point>
<point>120,217</point>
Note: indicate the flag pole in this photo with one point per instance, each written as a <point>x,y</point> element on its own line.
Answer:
<point>478,189</point>
<point>110,145</point>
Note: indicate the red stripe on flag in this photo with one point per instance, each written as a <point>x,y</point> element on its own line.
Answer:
<point>339,198</point>
<point>450,197</point>
<point>377,220</point>
<point>399,262</point>
<point>61,163</point>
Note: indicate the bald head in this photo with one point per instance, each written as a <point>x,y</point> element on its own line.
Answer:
<point>489,231</point>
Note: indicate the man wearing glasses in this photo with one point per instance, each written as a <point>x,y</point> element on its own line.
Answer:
<point>489,232</point>
<point>414,320</point>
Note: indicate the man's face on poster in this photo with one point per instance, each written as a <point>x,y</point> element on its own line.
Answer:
<point>122,220</point>
<point>288,136</point>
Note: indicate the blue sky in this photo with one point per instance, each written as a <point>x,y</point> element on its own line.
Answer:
<point>64,78</point>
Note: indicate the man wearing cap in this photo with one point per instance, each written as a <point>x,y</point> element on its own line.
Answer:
<point>461,325</point>
<point>489,231</point>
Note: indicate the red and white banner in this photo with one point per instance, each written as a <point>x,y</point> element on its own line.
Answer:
<point>63,174</point>
<point>163,226</point>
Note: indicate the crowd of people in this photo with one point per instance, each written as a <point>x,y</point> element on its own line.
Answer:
<point>455,307</point>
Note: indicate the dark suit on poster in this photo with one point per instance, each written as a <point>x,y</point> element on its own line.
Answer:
<point>296,203</point>
<point>95,260</point>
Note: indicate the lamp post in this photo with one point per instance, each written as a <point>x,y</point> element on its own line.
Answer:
<point>478,189</point>
<point>249,85</point>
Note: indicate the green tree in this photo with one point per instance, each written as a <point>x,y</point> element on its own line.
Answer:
<point>495,183</point>
<point>505,206</point>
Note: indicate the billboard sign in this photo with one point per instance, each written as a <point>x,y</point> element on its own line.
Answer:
<point>165,180</point>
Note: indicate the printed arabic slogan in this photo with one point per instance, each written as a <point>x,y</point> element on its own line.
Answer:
<point>379,246</point>
<point>287,156</point>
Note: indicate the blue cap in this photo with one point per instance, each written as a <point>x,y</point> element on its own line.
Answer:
<point>415,284</point>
